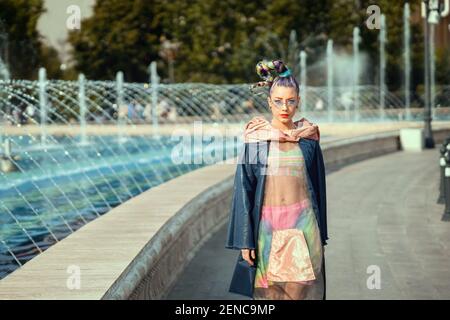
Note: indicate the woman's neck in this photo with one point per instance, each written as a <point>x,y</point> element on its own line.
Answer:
<point>283,126</point>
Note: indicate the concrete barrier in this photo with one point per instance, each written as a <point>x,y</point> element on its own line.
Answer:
<point>138,249</point>
<point>412,139</point>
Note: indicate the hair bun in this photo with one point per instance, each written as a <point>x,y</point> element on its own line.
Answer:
<point>268,70</point>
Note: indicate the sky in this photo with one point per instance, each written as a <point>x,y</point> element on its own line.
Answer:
<point>53,24</point>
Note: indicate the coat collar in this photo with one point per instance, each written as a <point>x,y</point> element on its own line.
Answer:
<point>260,129</point>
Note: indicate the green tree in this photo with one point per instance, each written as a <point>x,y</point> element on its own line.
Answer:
<point>214,35</point>
<point>121,35</point>
<point>21,46</point>
<point>345,15</point>
<point>221,41</point>
<point>51,61</point>
<point>443,66</point>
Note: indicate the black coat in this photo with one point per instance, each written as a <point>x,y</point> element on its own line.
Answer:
<point>248,196</point>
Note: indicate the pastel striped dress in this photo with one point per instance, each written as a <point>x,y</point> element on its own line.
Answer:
<point>289,251</point>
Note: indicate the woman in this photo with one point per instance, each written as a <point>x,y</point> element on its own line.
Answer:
<point>278,215</point>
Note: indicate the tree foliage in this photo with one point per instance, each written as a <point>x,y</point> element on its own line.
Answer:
<point>220,41</point>
<point>21,45</point>
<point>20,40</point>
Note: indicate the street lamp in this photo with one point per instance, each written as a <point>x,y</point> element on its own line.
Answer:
<point>432,11</point>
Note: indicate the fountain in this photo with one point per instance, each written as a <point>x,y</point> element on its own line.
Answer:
<point>293,50</point>
<point>122,109</point>
<point>382,40</point>
<point>330,80</point>
<point>154,80</point>
<point>82,100</point>
<point>7,159</point>
<point>303,79</point>
<point>4,71</point>
<point>356,70</point>
<point>4,76</point>
<point>61,184</point>
<point>43,104</point>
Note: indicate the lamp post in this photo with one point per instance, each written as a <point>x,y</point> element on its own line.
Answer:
<point>432,10</point>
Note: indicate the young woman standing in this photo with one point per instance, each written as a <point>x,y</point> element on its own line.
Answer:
<point>278,215</point>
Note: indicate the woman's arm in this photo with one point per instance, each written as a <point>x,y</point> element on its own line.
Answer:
<point>240,227</point>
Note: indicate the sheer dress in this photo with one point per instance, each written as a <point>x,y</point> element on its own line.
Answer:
<point>289,251</point>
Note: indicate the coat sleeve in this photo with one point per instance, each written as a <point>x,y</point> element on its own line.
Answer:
<point>240,227</point>
<point>319,185</point>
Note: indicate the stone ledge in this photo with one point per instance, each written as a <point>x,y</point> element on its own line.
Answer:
<point>115,250</point>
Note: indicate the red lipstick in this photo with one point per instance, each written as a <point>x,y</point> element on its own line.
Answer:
<point>284,115</point>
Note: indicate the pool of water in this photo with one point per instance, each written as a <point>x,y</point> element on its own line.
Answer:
<point>62,185</point>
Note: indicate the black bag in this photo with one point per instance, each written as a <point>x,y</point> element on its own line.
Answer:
<point>243,278</point>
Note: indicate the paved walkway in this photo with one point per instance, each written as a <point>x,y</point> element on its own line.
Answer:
<point>382,213</point>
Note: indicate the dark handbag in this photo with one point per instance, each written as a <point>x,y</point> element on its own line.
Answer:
<point>243,278</point>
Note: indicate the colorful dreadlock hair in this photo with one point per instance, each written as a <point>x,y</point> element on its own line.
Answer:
<point>273,73</point>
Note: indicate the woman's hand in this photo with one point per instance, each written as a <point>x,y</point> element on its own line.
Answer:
<point>249,255</point>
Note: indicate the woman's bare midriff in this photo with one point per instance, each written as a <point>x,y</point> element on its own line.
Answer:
<point>288,191</point>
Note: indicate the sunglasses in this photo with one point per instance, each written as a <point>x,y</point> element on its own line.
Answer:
<point>290,103</point>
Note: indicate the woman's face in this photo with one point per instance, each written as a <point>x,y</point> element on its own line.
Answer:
<point>283,102</point>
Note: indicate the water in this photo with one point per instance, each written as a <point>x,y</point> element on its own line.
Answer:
<point>303,79</point>
<point>34,213</point>
<point>83,108</point>
<point>330,84</point>
<point>383,89</point>
<point>43,104</point>
<point>356,74</point>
